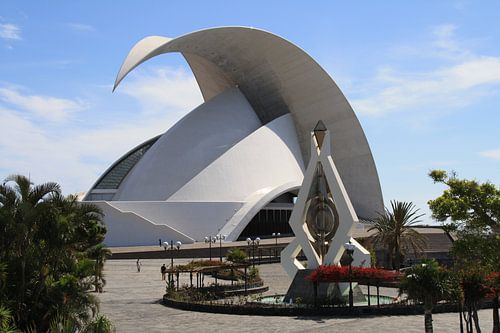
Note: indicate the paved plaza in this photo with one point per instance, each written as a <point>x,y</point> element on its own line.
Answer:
<point>132,301</point>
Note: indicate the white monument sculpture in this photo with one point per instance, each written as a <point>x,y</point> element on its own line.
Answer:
<point>323,217</point>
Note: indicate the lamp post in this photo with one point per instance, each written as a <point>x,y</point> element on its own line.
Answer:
<point>170,247</point>
<point>210,240</point>
<point>254,243</point>
<point>349,247</point>
<point>220,238</point>
<point>276,235</point>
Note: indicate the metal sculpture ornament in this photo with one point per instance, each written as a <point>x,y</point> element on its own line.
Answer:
<point>323,215</point>
<point>322,219</point>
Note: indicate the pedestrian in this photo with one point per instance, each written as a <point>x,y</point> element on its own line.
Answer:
<point>138,264</point>
<point>159,241</point>
<point>163,272</point>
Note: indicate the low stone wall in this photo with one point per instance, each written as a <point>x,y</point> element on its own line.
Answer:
<point>255,290</point>
<point>259,309</point>
<point>227,287</point>
<point>265,254</point>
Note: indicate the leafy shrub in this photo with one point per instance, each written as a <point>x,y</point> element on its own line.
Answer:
<point>253,274</point>
<point>236,255</point>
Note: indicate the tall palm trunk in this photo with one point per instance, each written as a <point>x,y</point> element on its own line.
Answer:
<point>389,258</point>
<point>396,249</point>
<point>397,255</point>
<point>469,320</point>
<point>496,324</point>
<point>476,320</point>
<point>460,312</point>
<point>428,321</point>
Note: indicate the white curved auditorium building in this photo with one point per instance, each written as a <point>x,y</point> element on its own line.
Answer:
<point>234,164</point>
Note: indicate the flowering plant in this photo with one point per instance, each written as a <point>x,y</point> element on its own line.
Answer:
<point>335,273</point>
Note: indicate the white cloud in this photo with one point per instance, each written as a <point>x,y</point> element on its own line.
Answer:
<point>75,156</point>
<point>9,31</point>
<point>445,44</point>
<point>81,27</point>
<point>453,86</point>
<point>160,89</point>
<point>494,154</point>
<point>68,154</point>
<point>47,107</point>
<point>459,83</point>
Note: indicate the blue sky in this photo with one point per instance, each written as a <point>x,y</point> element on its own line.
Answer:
<point>422,76</point>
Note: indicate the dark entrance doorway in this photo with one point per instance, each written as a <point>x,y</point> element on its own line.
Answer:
<point>271,219</point>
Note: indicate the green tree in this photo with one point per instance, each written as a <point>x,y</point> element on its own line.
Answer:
<point>466,204</point>
<point>427,283</point>
<point>471,210</point>
<point>493,283</point>
<point>473,285</point>
<point>99,254</point>
<point>44,239</point>
<point>394,231</point>
<point>476,249</point>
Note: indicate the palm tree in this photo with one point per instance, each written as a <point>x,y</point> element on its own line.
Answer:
<point>44,239</point>
<point>99,254</point>
<point>427,283</point>
<point>6,321</point>
<point>100,324</point>
<point>23,205</point>
<point>395,232</point>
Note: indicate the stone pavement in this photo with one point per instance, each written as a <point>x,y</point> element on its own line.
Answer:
<point>131,301</point>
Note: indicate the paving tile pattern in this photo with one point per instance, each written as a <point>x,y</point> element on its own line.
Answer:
<point>131,301</point>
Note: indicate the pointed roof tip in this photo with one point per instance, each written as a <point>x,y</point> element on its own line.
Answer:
<point>115,85</point>
<point>140,52</point>
<point>320,126</point>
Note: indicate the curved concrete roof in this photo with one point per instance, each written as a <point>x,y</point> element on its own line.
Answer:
<point>276,77</point>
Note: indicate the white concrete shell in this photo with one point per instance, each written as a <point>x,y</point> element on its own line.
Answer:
<point>247,144</point>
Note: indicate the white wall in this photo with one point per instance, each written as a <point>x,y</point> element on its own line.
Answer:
<point>189,146</point>
<point>129,229</point>
<point>223,197</point>
<point>264,160</point>
<point>194,219</point>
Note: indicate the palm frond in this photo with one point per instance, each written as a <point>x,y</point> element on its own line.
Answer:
<point>22,185</point>
<point>394,230</point>
<point>43,190</point>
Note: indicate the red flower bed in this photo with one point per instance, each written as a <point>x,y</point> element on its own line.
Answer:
<point>334,273</point>
<point>493,284</point>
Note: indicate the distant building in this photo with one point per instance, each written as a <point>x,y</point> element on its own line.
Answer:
<point>438,245</point>
<point>234,164</point>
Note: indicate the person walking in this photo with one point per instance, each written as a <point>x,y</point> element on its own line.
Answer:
<point>163,272</point>
<point>138,264</point>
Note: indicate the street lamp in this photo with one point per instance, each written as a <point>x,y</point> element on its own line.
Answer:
<point>254,243</point>
<point>276,235</point>
<point>170,247</point>
<point>220,238</point>
<point>349,247</point>
<point>210,240</point>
